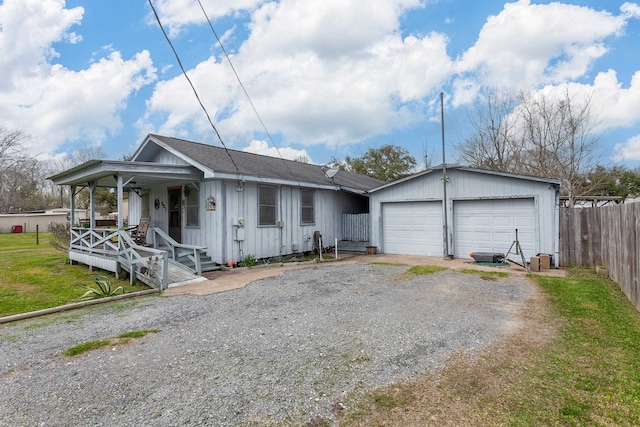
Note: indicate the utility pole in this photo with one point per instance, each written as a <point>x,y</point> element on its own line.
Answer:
<point>445,178</point>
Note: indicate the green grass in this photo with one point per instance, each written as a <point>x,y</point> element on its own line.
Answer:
<point>592,373</point>
<point>425,269</point>
<point>121,339</point>
<point>86,346</point>
<point>485,273</point>
<point>34,277</point>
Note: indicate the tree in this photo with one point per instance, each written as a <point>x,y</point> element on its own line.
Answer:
<point>493,144</point>
<point>614,181</point>
<point>534,135</point>
<point>387,163</point>
<point>20,175</point>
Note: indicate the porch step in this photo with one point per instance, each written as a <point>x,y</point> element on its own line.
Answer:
<point>206,263</point>
<point>349,246</point>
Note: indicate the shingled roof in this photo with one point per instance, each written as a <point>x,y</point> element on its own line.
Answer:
<point>218,160</point>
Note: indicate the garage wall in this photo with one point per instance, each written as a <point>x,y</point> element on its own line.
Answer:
<point>466,185</point>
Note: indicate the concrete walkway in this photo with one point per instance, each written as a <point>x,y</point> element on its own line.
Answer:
<point>226,280</point>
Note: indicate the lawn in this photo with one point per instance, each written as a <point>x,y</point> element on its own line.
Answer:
<point>574,362</point>
<point>34,277</point>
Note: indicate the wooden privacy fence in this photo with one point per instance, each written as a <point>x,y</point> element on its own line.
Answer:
<point>355,227</point>
<point>606,236</point>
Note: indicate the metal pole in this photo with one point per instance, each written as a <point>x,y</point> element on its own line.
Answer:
<point>444,183</point>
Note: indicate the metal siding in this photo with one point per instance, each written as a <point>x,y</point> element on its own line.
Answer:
<point>472,185</point>
<point>489,226</point>
<point>412,228</point>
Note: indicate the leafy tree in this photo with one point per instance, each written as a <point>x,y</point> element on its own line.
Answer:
<point>387,163</point>
<point>614,181</point>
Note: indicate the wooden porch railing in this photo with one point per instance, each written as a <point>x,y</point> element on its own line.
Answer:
<point>148,264</point>
<point>95,241</point>
<point>179,250</point>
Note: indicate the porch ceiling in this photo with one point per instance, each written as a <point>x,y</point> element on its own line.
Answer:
<point>134,174</point>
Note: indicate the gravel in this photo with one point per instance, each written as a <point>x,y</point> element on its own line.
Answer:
<point>281,350</point>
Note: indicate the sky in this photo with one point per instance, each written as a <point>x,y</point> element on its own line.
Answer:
<point>324,78</point>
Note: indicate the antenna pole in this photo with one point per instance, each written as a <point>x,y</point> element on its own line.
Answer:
<point>444,183</point>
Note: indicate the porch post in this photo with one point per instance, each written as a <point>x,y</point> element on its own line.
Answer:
<point>120,203</point>
<point>72,207</point>
<point>92,205</point>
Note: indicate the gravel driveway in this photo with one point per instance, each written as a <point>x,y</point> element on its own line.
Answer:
<point>283,349</point>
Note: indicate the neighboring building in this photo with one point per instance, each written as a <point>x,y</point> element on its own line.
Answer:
<point>483,210</point>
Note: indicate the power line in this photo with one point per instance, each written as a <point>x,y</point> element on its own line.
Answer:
<point>195,92</point>
<point>245,91</point>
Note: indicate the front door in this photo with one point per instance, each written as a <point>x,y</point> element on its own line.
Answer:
<point>175,214</point>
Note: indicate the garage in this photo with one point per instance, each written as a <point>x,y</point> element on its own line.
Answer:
<point>489,226</point>
<point>483,208</point>
<point>413,228</point>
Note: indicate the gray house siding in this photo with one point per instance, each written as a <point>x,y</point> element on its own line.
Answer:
<point>220,231</point>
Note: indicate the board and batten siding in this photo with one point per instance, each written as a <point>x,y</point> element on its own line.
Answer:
<point>470,185</point>
<point>273,241</point>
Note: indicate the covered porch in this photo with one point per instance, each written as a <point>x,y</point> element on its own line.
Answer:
<point>157,260</point>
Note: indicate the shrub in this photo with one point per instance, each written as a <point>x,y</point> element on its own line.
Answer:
<point>60,237</point>
<point>104,289</point>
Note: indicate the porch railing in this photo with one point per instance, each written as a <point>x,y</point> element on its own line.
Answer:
<point>148,264</point>
<point>179,251</point>
<point>101,241</point>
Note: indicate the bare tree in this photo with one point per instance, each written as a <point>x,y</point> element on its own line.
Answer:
<point>19,174</point>
<point>493,144</point>
<point>560,139</point>
<point>533,135</point>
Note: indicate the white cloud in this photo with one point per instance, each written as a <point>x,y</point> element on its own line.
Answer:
<point>529,44</point>
<point>630,10</point>
<point>630,150</point>
<point>176,14</point>
<point>53,104</point>
<point>261,147</point>
<point>319,71</point>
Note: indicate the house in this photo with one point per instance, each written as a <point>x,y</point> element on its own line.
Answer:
<point>482,211</point>
<point>213,202</point>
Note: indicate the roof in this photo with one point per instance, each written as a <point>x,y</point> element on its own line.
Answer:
<point>217,160</point>
<point>438,169</point>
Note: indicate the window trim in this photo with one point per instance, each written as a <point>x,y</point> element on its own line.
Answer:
<point>274,206</point>
<point>312,206</point>
<point>194,195</point>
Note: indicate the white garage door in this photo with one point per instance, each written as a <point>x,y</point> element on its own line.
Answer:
<point>412,228</point>
<point>489,226</point>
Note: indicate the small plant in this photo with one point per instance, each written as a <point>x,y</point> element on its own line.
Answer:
<point>104,289</point>
<point>248,261</point>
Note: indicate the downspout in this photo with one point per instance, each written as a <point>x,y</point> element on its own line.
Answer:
<point>556,240</point>
<point>224,228</point>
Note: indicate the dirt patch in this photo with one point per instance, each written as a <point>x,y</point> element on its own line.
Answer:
<point>459,394</point>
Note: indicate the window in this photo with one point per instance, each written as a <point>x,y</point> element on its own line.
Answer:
<point>307,203</point>
<point>192,202</point>
<point>267,198</point>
